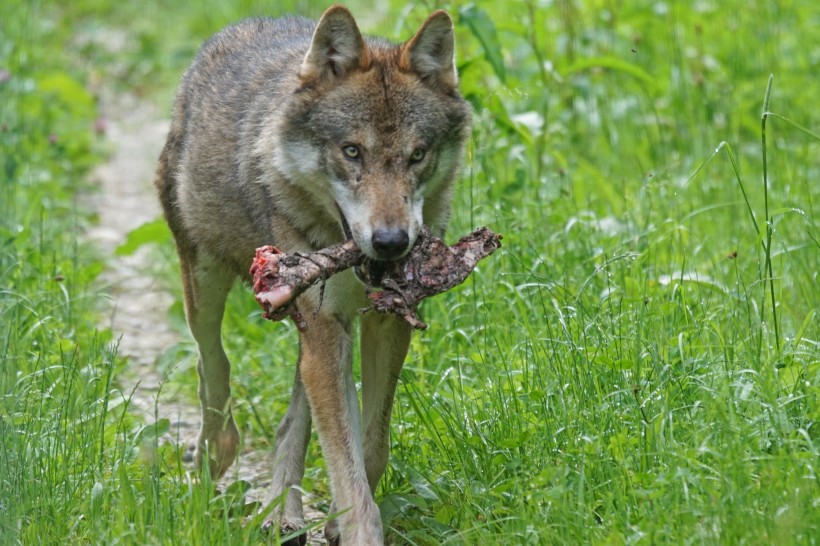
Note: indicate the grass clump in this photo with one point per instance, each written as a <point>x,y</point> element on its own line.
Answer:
<point>56,367</point>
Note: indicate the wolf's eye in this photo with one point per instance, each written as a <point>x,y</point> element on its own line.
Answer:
<point>417,155</point>
<point>351,151</point>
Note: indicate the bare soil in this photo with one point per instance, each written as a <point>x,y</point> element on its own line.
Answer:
<point>138,300</point>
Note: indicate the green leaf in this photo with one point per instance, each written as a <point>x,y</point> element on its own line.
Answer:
<point>422,488</point>
<point>149,232</point>
<point>68,92</point>
<point>151,432</point>
<point>483,28</point>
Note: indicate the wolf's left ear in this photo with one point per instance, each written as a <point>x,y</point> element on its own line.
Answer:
<point>336,48</point>
<point>430,52</point>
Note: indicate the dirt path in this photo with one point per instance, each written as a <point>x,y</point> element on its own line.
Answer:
<point>139,302</point>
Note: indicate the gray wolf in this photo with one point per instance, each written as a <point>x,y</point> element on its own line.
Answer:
<point>302,134</point>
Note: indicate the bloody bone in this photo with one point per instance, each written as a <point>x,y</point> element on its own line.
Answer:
<point>279,278</point>
<point>430,268</point>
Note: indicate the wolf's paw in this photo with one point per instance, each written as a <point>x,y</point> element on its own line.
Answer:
<point>286,527</point>
<point>221,446</point>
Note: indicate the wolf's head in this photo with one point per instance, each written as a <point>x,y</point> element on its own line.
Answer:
<point>376,131</point>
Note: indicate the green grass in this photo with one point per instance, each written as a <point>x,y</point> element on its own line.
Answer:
<point>639,365</point>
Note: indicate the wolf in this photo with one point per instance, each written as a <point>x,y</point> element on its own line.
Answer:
<point>303,134</point>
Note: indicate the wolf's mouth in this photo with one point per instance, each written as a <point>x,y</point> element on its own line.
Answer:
<point>369,271</point>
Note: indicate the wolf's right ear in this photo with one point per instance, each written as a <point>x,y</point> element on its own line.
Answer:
<point>336,48</point>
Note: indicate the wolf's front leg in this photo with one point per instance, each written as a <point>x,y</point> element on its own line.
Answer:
<point>385,340</point>
<point>327,375</point>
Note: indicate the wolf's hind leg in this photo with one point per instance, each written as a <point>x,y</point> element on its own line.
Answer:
<point>206,283</point>
<point>292,439</point>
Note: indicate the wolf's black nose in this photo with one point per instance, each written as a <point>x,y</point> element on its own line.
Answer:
<point>390,243</point>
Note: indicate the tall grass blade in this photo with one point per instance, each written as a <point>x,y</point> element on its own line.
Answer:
<point>767,248</point>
